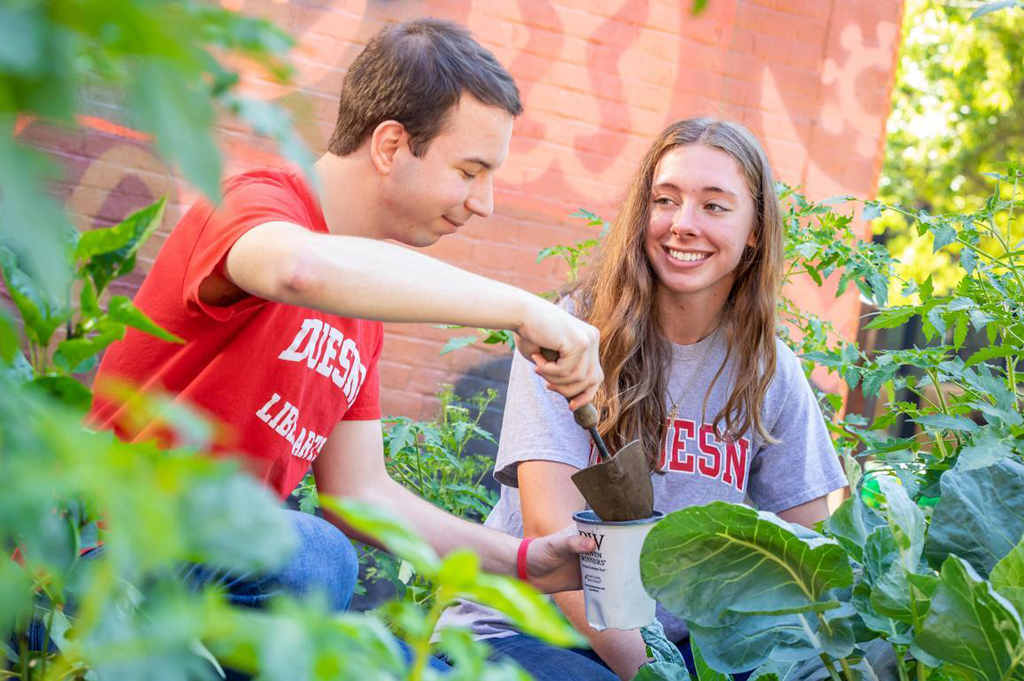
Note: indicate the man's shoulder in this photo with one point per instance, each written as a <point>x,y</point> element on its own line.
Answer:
<point>285,178</point>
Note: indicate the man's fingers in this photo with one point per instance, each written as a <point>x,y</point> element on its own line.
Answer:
<point>581,544</point>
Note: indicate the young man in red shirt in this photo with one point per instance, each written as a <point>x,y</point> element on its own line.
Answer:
<point>280,294</point>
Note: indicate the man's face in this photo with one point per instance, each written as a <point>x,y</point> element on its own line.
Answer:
<point>437,193</point>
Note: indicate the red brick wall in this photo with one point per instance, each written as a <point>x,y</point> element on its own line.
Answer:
<point>599,78</point>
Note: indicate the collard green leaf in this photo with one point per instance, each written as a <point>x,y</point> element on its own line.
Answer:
<point>905,520</point>
<point>893,552</point>
<point>971,628</point>
<point>980,515</point>
<point>704,671</point>
<point>703,561</point>
<point>1008,577</point>
<point>743,642</point>
<point>667,663</point>
<point>659,648</point>
<point>662,671</point>
<point>877,623</point>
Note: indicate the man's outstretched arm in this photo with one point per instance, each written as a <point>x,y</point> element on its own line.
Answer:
<point>351,465</point>
<point>370,279</point>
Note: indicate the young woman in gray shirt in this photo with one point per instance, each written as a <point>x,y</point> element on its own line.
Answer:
<point>683,292</point>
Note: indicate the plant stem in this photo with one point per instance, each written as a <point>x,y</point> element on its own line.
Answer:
<point>23,661</point>
<point>934,376</point>
<point>828,665</point>
<point>46,639</point>
<point>901,665</point>
<point>846,668</point>
<point>421,646</point>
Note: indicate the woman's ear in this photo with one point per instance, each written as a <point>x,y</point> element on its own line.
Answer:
<point>385,142</point>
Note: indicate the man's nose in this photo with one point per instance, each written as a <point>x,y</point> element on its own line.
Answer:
<point>481,200</point>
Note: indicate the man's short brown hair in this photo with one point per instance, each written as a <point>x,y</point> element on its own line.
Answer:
<point>414,73</point>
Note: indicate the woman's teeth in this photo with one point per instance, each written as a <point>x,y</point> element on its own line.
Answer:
<point>688,257</point>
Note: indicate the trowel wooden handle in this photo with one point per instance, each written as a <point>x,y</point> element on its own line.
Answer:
<point>586,416</point>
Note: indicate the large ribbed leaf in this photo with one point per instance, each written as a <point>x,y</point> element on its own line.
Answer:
<point>704,561</point>
<point>971,628</point>
<point>851,524</point>
<point>1008,577</point>
<point>893,552</point>
<point>980,516</point>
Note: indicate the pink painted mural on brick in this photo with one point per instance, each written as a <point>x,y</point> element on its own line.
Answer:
<point>600,79</point>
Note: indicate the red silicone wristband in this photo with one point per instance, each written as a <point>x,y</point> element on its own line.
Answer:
<point>524,545</point>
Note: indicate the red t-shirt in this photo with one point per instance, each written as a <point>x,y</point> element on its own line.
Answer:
<point>279,377</point>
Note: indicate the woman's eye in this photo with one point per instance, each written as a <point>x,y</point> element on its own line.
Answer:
<point>663,201</point>
<point>716,207</point>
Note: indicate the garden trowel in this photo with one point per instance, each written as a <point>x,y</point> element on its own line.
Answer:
<point>618,487</point>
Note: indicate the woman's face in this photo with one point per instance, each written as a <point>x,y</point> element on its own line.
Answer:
<point>702,218</point>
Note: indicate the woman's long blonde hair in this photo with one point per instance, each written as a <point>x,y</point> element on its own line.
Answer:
<point>617,295</point>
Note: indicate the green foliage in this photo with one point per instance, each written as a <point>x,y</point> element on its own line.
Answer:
<point>96,258</point>
<point>955,116</point>
<point>667,663</point>
<point>430,458</point>
<point>166,60</point>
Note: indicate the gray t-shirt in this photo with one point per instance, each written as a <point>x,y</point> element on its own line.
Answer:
<point>699,468</point>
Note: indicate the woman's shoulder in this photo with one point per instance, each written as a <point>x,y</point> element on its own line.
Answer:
<point>788,369</point>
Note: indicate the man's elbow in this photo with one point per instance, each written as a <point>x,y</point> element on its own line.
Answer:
<point>277,263</point>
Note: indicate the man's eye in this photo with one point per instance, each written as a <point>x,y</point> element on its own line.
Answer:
<point>466,174</point>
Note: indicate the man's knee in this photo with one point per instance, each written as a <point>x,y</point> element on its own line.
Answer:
<point>325,562</point>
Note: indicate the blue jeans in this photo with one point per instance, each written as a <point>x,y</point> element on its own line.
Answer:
<point>548,663</point>
<point>324,564</point>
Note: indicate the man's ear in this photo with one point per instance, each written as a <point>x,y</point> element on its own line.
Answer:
<point>387,139</point>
